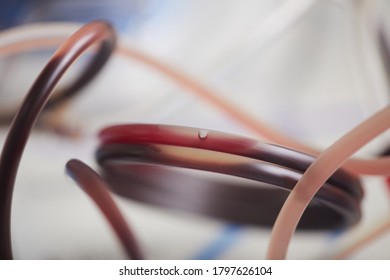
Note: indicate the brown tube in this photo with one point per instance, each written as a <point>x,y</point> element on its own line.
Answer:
<point>94,33</point>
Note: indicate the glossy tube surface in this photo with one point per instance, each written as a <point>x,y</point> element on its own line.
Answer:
<point>94,33</point>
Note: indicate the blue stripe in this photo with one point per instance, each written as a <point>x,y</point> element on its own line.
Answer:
<point>224,241</point>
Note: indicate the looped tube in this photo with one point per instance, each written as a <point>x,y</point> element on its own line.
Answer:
<point>93,67</point>
<point>97,32</point>
<point>137,161</point>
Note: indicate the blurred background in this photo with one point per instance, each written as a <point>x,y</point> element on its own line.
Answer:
<point>310,68</point>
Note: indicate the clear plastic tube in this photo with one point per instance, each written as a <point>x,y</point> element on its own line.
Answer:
<point>319,171</point>
<point>97,189</point>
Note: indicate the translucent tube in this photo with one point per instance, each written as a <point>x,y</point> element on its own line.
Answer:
<point>318,172</point>
<point>97,189</point>
<point>99,33</point>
